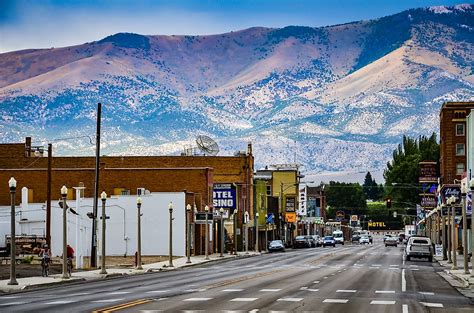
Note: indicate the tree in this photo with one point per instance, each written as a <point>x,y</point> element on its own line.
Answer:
<point>347,197</point>
<point>371,189</point>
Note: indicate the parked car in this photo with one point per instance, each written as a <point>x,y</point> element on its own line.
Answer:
<point>386,236</point>
<point>355,238</point>
<point>311,241</point>
<point>419,247</point>
<point>329,241</point>
<point>391,241</point>
<point>301,242</point>
<point>276,245</point>
<point>317,240</point>
<point>364,240</point>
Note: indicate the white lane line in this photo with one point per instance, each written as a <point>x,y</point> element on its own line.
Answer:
<point>432,305</point>
<point>394,265</point>
<point>157,291</point>
<point>270,290</point>
<point>414,269</point>
<point>426,293</point>
<point>333,274</point>
<point>9,297</point>
<point>382,302</point>
<point>345,290</point>
<point>325,277</point>
<point>118,293</point>
<point>195,290</point>
<point>253,311</point>
<point>59,302</point>
<point>313,290</point>
<point>80,294</point>
<point>12,303</point>
<point>336,300</point>
<point>384,291</point>
<point>404,282</point>
<point>107,300</point>
<point>405,308</point>
<point>231,290</point>
<point>197,299</point>
<point>290,299</point>
<point>316,282</point>
<point>377,265</point>
<point>243,299</point>
<point>303,288</point>
<point>413,265</point>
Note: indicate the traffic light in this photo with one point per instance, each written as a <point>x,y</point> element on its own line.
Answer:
<point>389,203</point>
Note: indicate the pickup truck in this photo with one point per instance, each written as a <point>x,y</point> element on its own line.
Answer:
<point>419,247</point>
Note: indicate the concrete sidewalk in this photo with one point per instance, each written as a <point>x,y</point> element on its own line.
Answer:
<point>456,277</point>
<point>39,281</point>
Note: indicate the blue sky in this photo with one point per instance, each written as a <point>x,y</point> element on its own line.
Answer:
<point>52,23</point>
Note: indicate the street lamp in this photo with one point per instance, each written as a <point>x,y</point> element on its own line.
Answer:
<point>256,236</point>
<point>221,211</point>
<point>206,243</point>
<point>12,185</point>
<point>471,186</point>
<point>453,233</point>
<point>464,228</point>
<point>103,197</point>
<point>139,234</point>
<point>235,231</point>
<point>266,233</point>
<point>188,242</point>
<point>170,208</point>
<point>246,233</point>
<point>64,195</point>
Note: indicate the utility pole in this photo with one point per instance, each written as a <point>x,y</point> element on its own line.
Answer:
<point>170,247</point>
<point>256,236</point>
<point>12,281</point>
<point>206,243</point>
<point>139,234</point>
<point>96,189</point>
<point>188,227</point>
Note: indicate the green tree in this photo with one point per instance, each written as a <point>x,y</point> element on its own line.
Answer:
<point>347,197</point>
<point>371,189</point>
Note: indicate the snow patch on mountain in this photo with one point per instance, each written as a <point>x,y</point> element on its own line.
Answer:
<point>315,129</point>
<point>366,123</point>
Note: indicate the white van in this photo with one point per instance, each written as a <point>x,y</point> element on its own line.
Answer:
<point>338,236</point>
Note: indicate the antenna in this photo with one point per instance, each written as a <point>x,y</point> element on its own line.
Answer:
<point>207,145</point>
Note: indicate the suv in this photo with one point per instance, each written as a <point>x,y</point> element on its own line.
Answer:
<point>301,242</point>
<point>419,247</point>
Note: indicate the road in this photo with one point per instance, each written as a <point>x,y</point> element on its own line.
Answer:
<point>348,278</point>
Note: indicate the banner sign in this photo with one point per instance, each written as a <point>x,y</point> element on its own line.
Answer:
<point>224,196</point>
<point>428,172</point>
<point>428,201</point>
<point>469,203</point>
<point>311,207</point>
<point>290,217</point>
<point>302,208</point>
<point>290,204</point>
<point>451,190</point>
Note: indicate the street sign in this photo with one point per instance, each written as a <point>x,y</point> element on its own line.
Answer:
<point>217,214</point>
<point>439,250</point>
<point>200,218</point>
<point>290,217</point>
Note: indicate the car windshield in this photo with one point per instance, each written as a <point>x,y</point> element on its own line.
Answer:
<point>328,238</point>
<point>300,237</point>
<point>364,237</point>
<point>276,242</point>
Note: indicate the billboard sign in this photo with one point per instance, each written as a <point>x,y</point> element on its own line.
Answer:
<point>224,196</point>
<point>450,190</point>
<point>428,201</point>
<point>428,173</point>
<point>302,204</point>
<point>311,207</point>
<point>290,204</point>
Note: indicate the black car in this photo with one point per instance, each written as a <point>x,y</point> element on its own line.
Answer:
<point>301,242</point>
<point>276,245</point>
<point>355,238</point>
<point>312,241</point>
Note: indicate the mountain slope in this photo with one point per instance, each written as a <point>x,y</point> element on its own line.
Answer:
<point>335,98</point>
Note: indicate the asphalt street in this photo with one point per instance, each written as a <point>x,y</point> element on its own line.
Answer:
<point>350,278</point>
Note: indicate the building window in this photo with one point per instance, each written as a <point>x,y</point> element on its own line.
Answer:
<point>269,190</point>
<point>460,149</point>
<point>460,130</point>
<point>459,168</point>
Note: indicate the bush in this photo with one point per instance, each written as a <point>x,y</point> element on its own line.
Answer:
<point>27,259</point>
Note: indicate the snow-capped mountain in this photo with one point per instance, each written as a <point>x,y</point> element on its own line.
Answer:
<point>335,98</point>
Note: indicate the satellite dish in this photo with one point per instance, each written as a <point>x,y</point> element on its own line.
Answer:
<point>207,145</point>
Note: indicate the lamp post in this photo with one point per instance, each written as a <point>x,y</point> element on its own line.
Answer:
<point>246,233</point>
<point>448,232</point>
<point>235,231</point>
<point>170,247</point>
<point>464,228</point>
<point>443,233</point>
<point>471,186</point>
<point>64,195</point>
<point>266,233</point>
<point>139,234</point>
<point>453,233</point>
<point>12,185</point>
<point>221,211</point>
<point>103,197</point>
<point>206,243</point>
<point>256,233</point>
<point>188,242</point>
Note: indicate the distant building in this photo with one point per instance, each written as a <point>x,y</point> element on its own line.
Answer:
<point>453,143</point>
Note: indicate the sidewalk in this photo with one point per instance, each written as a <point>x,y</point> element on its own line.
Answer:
<point>38,281</point>
<point>456,278</point>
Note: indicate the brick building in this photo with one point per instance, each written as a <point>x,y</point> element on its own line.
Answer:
<point>127,175</point>
<point>453,140</point>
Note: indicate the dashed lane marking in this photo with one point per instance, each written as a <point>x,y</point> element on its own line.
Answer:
<point>346,290</point>
<point>382,302</point>
<point>118,293</point>
<point>150,311</point>
<point>290,299</point>
<point>243,299</point>
<point>12,303</point>
<point>325,277</point>
<point>384,291</point>
<point>404,282</point>
<point>312,290</point>
<point>157,291</point>
<point>432,305</point>
<point>303,288</point>
<point>405,308</point>
<point>197,299</point>
<point>9,297</point>
<point>316,282</point>
<point>59,302</point>
<point>195,290</point>
<point>335,300</point>
<point>232,290</point>
<point>426,293</point>
<point>270,290</point>
<point>107,300</point>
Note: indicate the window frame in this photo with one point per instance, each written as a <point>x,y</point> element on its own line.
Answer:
<point>463,129</point>
<point>463,168</point>
<point>463,149</point>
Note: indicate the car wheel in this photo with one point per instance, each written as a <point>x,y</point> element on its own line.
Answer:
<point>430,259</point>
<point>386,246</point>
<point>408,258</point>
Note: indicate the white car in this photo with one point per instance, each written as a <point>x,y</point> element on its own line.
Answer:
<point>419,247</point>
<point>364,240</point>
